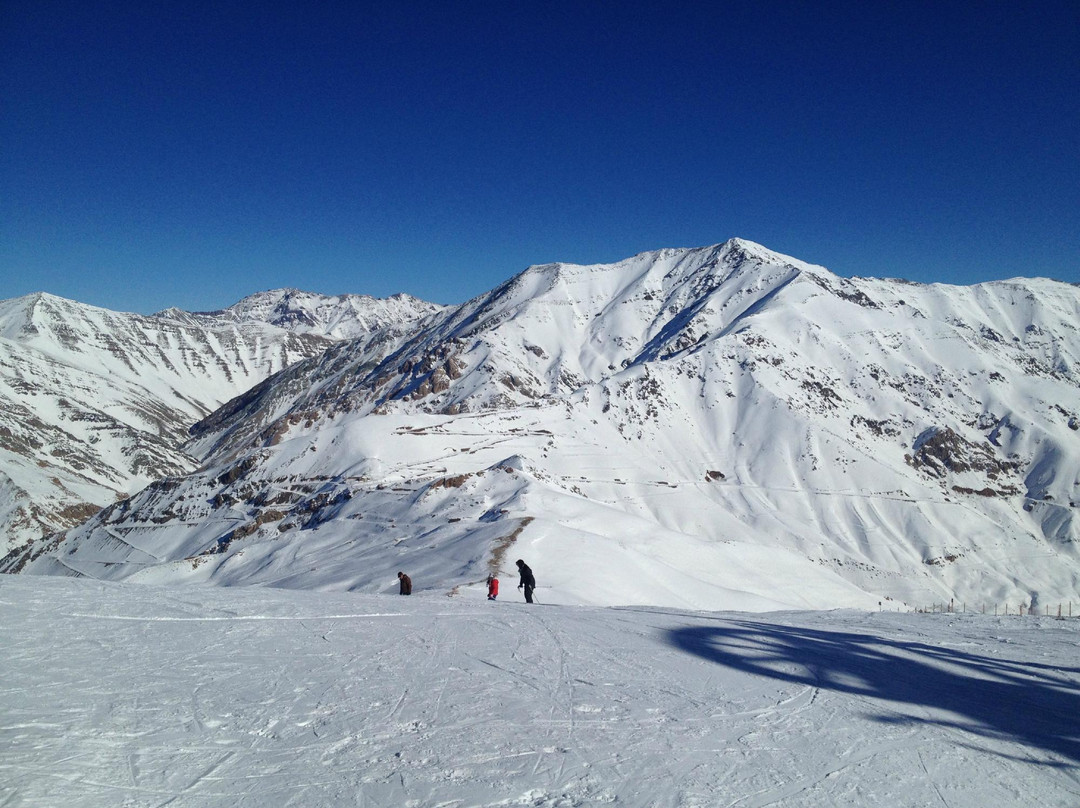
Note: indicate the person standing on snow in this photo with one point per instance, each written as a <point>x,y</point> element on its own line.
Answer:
<point>406,584</point>
<point>493,587</point>
<point>528,582</point>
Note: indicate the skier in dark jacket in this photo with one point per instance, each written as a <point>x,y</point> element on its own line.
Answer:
<point>406,584</point>
<point>528,582</point>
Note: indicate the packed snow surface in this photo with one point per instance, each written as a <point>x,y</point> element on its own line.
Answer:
<point>118,694</point>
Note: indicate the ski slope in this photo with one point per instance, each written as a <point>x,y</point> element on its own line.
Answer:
<point>117,694</point>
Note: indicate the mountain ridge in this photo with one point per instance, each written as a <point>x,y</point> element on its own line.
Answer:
<point>739,423</point>
<point>97,403</point>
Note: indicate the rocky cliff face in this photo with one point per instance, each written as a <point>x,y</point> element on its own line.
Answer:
<point>688,427</point>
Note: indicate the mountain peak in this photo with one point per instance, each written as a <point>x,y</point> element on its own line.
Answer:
<point>339,316</point>
<point>724,418</point>
<point>31,314</point>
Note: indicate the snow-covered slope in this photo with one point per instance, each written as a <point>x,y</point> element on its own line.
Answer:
<point>95,404</point>
<point>123,695</point>
<point>723,427</point>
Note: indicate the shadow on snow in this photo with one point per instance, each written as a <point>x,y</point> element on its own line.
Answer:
<point>1033,704</point>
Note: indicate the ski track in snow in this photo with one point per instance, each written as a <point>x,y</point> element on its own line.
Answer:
<point>129,695</point>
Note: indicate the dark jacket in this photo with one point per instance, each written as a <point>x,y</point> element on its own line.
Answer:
<point>406,584</point>
<point>527,578</point>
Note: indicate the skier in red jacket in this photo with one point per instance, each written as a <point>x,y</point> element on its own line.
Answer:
<point>493,587</point>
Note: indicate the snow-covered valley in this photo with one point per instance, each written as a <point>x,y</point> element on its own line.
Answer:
<point>197,697</point>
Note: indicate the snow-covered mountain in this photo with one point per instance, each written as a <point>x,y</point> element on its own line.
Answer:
<point>95,404</point>
<point>722,427</point>
<point>339,316</point>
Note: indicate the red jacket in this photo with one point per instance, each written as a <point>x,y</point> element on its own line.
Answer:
<point>493,587</point>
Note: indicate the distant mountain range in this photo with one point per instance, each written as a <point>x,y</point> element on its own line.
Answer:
<point>96,404</point>
<point>723,427</point>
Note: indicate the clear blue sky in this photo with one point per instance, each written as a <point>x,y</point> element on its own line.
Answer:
<point>189,153</point>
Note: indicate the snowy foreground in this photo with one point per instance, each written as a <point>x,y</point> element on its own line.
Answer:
<point>127,695</point>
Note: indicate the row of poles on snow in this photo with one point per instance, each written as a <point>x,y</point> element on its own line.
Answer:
<point>1020,610</point>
